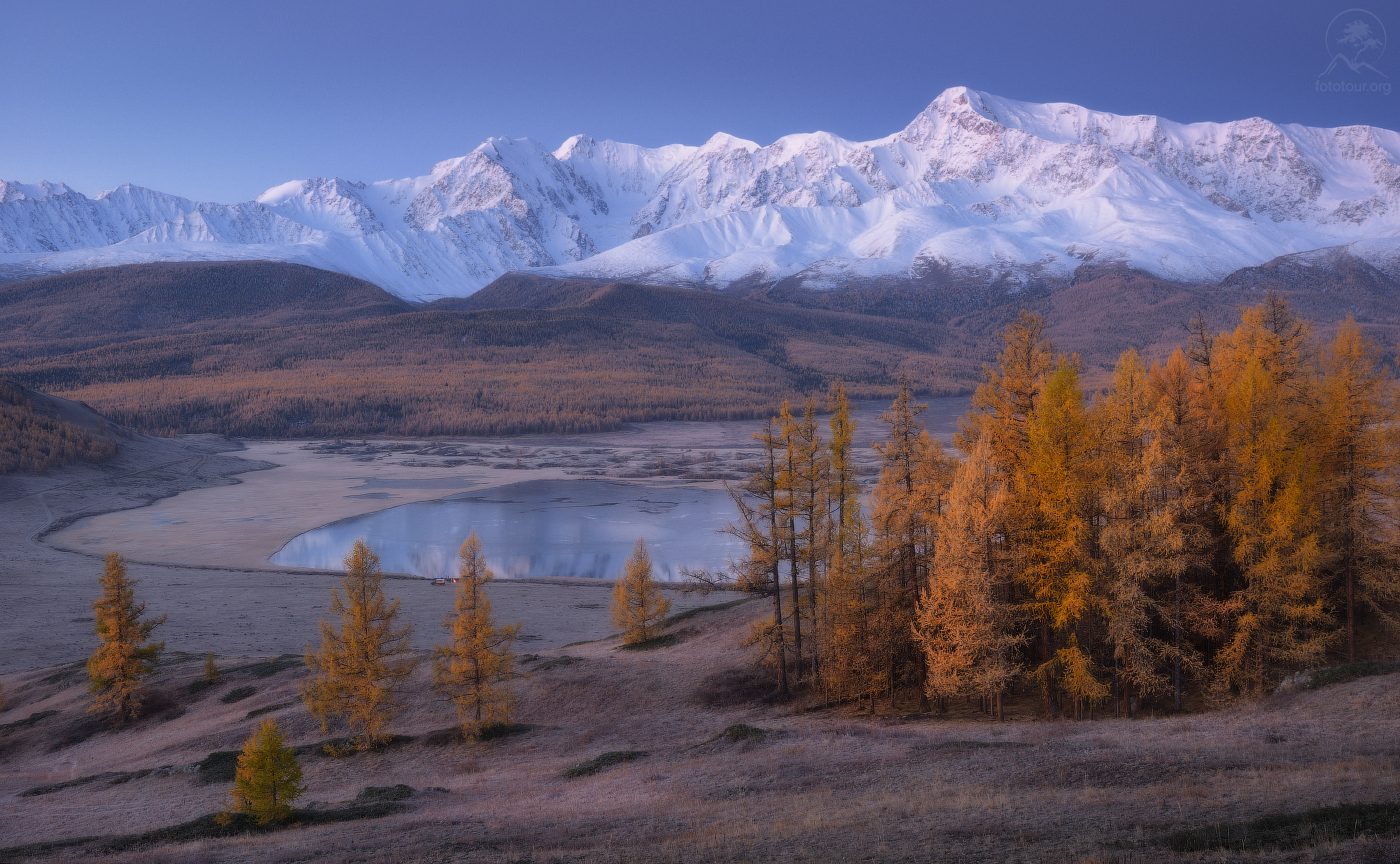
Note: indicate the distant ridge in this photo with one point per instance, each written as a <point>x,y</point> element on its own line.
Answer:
<point>981,189</point>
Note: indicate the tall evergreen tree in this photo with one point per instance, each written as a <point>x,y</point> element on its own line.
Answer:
<point>1059,569</point>
<point>759,505</point>
<point>904,509</point>
<point>474,669</point>
<point>1359,457</point>
<point>357,674</point>
<point>124,656</point>
<point>966,622</point>
<point>1277,615</point>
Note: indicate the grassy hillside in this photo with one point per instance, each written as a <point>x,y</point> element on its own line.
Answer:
<point>680,753</point>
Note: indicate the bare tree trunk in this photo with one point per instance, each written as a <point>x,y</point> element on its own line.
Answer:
<point>1176,665</point>
<point>923,681</point>
<point>796,603</point>
<point>1127,683</point>
<point>1351,551</point>
<point>1351,608</point>
<point>778,624</point>
<point>1045,658</point>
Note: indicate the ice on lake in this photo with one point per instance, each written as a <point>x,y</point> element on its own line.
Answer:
<point>538,528</point>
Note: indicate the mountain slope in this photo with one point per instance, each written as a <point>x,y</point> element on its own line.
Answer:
<point>579,362</point>
<point>984,188</point>
<point>85,309</point>
<point>268,349</point>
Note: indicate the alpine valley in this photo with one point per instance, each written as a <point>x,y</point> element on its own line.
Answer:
<point>976,191</point>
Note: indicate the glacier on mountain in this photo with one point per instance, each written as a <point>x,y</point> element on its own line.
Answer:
<point>976,184</point>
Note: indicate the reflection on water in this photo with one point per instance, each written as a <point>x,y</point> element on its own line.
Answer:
<point>537,528</point>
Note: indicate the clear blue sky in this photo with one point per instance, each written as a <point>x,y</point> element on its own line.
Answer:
<point>220,100</point>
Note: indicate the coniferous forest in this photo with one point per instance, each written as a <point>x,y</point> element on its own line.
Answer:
<point>1199,530</point>
<point>31,440</point>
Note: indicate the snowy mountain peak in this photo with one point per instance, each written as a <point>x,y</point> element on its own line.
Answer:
<point>975,183</point>
<point>11,191</point>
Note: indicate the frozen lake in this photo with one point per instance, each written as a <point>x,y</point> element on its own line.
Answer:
<point>583,527</point>
<point>537,528</point>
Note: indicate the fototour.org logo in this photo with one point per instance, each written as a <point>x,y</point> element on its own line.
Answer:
<point>1355,42</point>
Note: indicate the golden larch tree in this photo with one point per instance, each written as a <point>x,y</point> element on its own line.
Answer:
<point>1359,455</point>
<point>474,669</point>
<point>789,488</point>
<point>268,778</point>
<point>1278,616</point>
<point>843,493</point>
<point>1182,467</point>
<point>1128,499</point>
<point>360,667</point>
<point>850,654</point>
<point>1176,540</point>
<point>802,484</point>
<point>966,622</point>
<point>1060,575</point>
<point>637,605</point>
<point>1151,495</point>
<point>1002,406</point>
<point>759,503</point>
<point>125,656</point>
<point>810,502</point>
<point>847,605</point>
<point>911,490</point>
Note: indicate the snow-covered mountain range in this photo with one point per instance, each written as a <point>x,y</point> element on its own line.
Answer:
<point>977,185</point>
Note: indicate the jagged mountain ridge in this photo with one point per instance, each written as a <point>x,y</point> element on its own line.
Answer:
<point>986,188</point>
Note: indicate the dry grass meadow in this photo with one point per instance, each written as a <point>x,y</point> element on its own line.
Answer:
<point>817,784</point>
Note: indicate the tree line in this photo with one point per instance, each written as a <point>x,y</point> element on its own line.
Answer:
<point>1208,523</point>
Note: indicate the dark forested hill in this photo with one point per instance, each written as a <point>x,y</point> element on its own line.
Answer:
<point>38,432</point>
<point>94,307</point>
<point>264,349</point>
<point>592,358</point>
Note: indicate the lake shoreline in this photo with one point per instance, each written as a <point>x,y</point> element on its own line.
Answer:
<point>211,575</point>
<point>315,483</point>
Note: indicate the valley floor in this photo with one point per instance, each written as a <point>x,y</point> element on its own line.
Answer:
<point>198,517</point>
<point>816,784</point>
